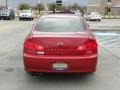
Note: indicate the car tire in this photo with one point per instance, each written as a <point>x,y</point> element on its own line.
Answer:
<point>13,18</point>
<point>92,72</point>
<point>99,20</point>
<point>20,19</point>
<point>31,19</point>
<point>88,19</point>
<point>4,19</point>
<point>10,18</point>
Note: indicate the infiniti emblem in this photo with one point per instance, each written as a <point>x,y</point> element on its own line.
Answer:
<point>60,43</point>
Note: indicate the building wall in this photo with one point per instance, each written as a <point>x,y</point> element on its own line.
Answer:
<point>102,6</point>
<point>93,2</point>
<point>115,11</point>
<point>93,6</point>
<point>93,9</point>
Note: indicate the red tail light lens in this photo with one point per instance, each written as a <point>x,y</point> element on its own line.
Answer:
<point>89,48</point>
<point>31,48</point>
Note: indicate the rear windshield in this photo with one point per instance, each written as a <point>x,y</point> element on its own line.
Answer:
<point>60,25</point>
<point>26,11</point>
<point>5,10</point>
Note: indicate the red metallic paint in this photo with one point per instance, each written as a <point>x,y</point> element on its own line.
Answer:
<point>68,52</point>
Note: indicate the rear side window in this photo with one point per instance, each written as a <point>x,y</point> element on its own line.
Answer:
<point>60,25</point>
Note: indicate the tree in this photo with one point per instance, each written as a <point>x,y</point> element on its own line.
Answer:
<point>75,6</point>
<point>59,7</point>
<point>23,6</point>
<point>52,7</point>
<point>83,9</point>
<point>39,7</point>
<point>70,7</point>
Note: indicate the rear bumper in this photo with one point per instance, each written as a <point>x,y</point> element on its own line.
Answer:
<point>4,17</point>
<point>25,17</point>
<point>76,64</point>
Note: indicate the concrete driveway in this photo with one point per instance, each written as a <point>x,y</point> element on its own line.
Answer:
<point>13,77</point>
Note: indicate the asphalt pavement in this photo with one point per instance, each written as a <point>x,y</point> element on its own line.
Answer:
<point>13,77</point>
<point>105,25</point>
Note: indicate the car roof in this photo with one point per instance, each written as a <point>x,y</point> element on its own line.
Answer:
<point>61,16</point>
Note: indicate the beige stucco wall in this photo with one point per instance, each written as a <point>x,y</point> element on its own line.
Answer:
<point>104,4</point>
<point>102,8</point>
<point>93,9</point>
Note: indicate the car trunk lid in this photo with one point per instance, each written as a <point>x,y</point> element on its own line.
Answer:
<point>60,43</point>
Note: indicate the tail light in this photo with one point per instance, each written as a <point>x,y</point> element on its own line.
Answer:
<point>31,48</point>
<point>89,48</point>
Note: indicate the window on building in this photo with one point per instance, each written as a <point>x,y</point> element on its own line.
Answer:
<point>108,9</point>
<point>59,2</point>
<point>109,1</point>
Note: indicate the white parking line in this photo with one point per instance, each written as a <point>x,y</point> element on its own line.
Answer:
<point>110,40</point>
<point>106,38</point>
<point>114,44</point>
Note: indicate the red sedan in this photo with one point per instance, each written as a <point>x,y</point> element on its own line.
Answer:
<point>60,43</point>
